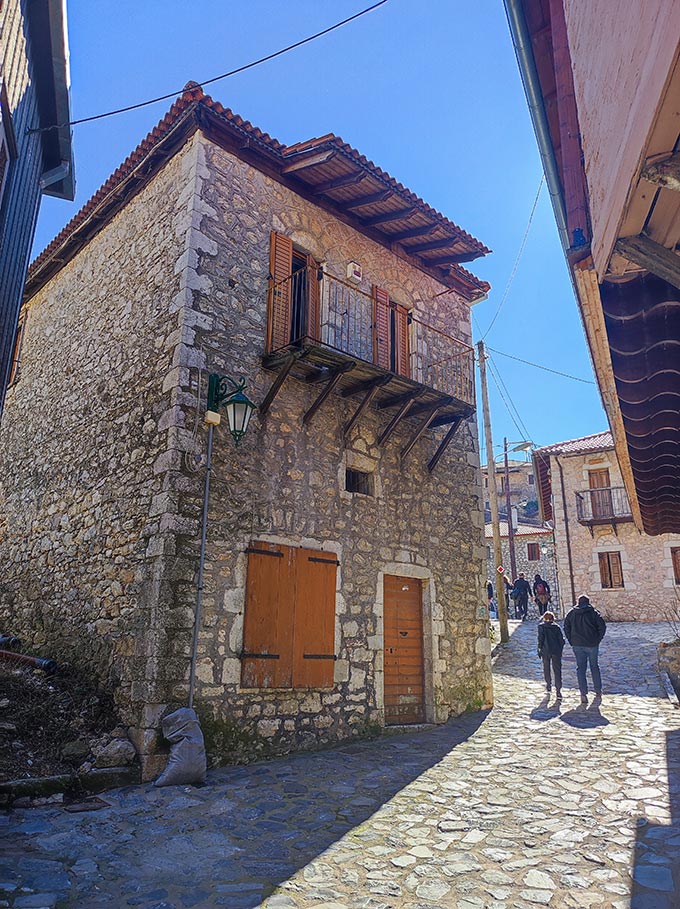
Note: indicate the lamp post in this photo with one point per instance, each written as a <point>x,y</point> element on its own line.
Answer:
<point>222,390</point>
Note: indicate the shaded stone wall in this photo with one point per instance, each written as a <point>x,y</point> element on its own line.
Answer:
<point>285,483</point>
<point>649,591</point>
<point>546,566</point>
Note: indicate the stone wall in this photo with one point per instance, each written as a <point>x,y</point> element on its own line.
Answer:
<point>649,590</point>
<point>546,566</point>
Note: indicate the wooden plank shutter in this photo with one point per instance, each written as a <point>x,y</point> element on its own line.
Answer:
<point>313,300</point>
<point>616,569</point>
<point>314,644</point>
<point>675,555</point>
<point>403,360</point>
<point>605,577</point>
<point>280,283</point>
<point>16,353</point>
<point>268,620</point>
<point>381,327</point>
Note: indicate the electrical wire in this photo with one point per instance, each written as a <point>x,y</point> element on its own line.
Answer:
<point>556,372</point>
<point>518,257</point>
<point>233,72</point>
<point>494,367</point>
<point>503,398</point>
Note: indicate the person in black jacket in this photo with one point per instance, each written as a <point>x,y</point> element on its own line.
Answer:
<point>550,647</point>
<point>585,628</point>
<point>520,593</point>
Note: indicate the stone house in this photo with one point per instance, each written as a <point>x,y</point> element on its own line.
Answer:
<point>345,557</point>
<point>629,576</point>
<point>35,145</point>
<point>534,554</point>
<point>523,496</point>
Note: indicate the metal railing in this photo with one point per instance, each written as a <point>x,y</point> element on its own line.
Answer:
<point>608,504</point>
<point>346,324</point>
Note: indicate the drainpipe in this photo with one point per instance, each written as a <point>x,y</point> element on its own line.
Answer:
<point>201,565</point>
<point>521,40</point>
<point>566,530</point>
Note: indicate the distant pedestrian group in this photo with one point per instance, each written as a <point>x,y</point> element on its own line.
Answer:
<point>584,628</point>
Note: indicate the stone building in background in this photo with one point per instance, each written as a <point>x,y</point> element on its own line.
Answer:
<point>523,495</point>
<point>343,586</point>
<point>534,554</point>
<point>629,576</point>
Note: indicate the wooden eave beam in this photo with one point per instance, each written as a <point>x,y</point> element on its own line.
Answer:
<point>666,173</point>
<point>652,256</point>
<point>454,259</point>
<point>399,215</point>
<point>368,397</point>
<point>446,441</point>
<point>420,231</point>
<point>433,244</point>
<point>369,199</point>
<point>333,379</point>
<point>419,432</point>
<point>346,180</point>
<point>308,161</point>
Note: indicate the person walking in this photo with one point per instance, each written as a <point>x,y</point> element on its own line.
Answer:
<point>584,628</point>
<point>520,593</point>
<point>550,647</point>
<point>541,590</point>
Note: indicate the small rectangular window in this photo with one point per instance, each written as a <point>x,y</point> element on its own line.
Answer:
<point>533,552</point>
<point>531,479</point>
<point>675,555</point>
<point>611,572</point>
<point>358,481</point>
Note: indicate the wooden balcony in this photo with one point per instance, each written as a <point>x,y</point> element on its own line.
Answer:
<point>410,370</point>
<point>603,506</point>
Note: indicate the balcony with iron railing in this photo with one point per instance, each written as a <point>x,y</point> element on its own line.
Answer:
<point>328,332</point>
<point>603,506</point>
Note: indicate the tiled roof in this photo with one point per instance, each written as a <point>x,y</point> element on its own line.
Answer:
<point>575,446</point>
<point>522,530</point>
<point>194,110</point>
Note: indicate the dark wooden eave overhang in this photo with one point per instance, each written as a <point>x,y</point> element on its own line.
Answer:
<point>325,171</point>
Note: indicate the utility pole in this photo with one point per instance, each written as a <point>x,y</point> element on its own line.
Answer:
<point>493,500</point>
<point>508,510</point>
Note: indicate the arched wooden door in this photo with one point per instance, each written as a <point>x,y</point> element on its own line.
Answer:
<point>403,663</point>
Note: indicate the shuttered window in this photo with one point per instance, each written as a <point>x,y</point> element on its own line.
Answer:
<point>289,621</point>
<point>611,573</point>
<point>293,307</point>
<point>390,334</point>
<point>15,367</point>
<point>675,555</point>
<point>533,552</point>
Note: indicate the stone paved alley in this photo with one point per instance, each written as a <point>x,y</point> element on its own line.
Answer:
<point>529,805</point>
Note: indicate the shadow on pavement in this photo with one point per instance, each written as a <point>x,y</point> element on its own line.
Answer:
<point>546,711</point>
<point>656,868</point>
<point>233,841</point>
<point>585,717</point>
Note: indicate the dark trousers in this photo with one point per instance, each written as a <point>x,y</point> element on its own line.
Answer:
<point>584,656</point>
<point>554,660</point>
<point>521,606</point>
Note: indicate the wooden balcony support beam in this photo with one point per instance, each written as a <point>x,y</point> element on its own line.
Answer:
<point>333,378</point>
<point>419,432</point>
<point>399,215</point>
<point>398,400</point>
<point>368,397</point>
<point>665,173</point>
<point>275,387</point>
<point>446,441</point>
<point>369,199</point>
<point>346,180</point>
<point>400,415</point>
<point>427,405</point>
<point>650,255</point>
<point>365,386</point>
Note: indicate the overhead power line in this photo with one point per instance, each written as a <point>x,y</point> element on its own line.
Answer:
<point>496,376</point>
<point>556,372</point>
<point>519,256</point>
<point>525,432</point>
<point>233,72</point>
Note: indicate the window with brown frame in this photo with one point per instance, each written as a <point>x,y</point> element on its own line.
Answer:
<point>15,367</point>
<point>391,346</point>
<point>289,619</point>
<point>675,556</point>
<point>611,572</point>
<point>294,294</point>
<point>533,552</point>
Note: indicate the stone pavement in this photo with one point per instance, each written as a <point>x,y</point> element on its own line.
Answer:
<point>533,804</point>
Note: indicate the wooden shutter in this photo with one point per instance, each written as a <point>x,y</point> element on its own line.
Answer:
<point>16,353</point>
<point>675,556</point>
<point>616,569</point>
<point>314,638</point>
<point>313,300</point>
<point>280,283</point>
<point>533,552</point>
<point>268,621</point>
<point>401,341</point>
<point>601,502</point>
<point>381,327</point>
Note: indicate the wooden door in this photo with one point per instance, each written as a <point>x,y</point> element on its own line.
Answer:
<point>601,499</point>
<point>403,630</point>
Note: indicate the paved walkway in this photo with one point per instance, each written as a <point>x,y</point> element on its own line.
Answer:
<point>530,805</point>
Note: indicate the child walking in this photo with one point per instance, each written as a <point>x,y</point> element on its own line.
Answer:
<point>550,647</point>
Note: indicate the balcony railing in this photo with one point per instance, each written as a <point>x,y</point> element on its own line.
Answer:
<point>603,506</point>
<point>346,324</point>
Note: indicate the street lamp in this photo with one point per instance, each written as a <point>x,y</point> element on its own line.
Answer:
<point>517,446</point>
<point>229,393</point>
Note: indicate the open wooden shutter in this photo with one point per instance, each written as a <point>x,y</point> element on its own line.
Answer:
<point>403,361</point>
<point>16,353</point>
<point>314,643</point>
<point>675,555</point>
<point>381,327</point>
<point>266,661</point>
<point>616,569</point>
<point>313,300</point>
<point>280,283</point>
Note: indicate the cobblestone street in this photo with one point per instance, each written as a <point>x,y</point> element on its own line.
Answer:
<point>530,805</point>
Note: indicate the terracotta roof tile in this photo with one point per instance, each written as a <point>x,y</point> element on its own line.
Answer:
<point>575,446</point>
<point>522,530</point>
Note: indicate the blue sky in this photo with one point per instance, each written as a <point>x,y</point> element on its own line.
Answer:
<point>427,89</point>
